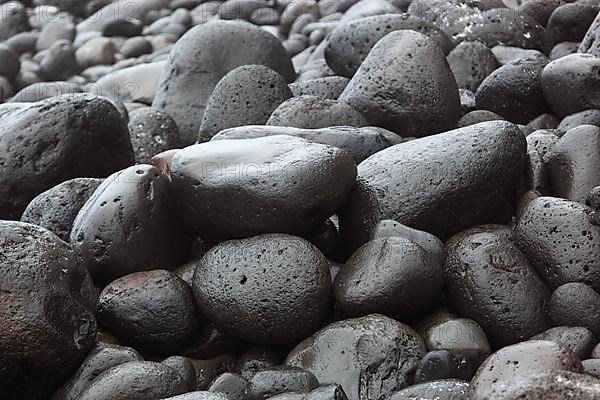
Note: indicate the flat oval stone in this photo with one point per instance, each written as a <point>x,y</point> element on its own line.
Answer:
<point>432,184</point>
<point>247,95</point>
<point>55,140</point>
<point>490,281</point>
<point>230,189</point>
<point>135,380</point>
<point>266,289</point>
<point>413,93</point>
<point>47,311</point>
<point>370,357</point>
<point>128,308</point>
<point>561,241</point>
<point>359,142</point>
<point>136,83</point>
<point>392,276</point>
<point>44,90</point>
<point>202,57</point>
<point>122,228</point>
<point>312,112</point>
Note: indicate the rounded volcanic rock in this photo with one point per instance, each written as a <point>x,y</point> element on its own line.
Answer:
<point>51,141</point>
<point>47,311</point>
<point>312,112</point>
<point>129,225</point>
<point>267,289</point>
<point>153,311</point>
<point>204,55</point>
<point>56,208</point>
<point>433,184</point>
<point>392,276</point>
<point>247,95</point>
<point>405,85</point>
<point>234,189</point>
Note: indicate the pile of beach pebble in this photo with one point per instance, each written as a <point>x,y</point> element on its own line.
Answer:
<point>300,199</point>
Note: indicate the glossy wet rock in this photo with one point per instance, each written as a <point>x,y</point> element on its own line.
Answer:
<point>349,44</point>
<point>272,289</point>
<point>447,389</point>
<point>128,309</point>
<point>151,132</point>
<point>359,142</point>
<point>199,396</point>
<point>271,382</point>
<point>245,96</point>
<point>442,364</point>
<point>48,306</point>
<point>312,112</point>
<point>432,184</point>
<point>229,189</point>
<point>489,280</point>
<point>414,93</point>
<point>461,336</point>
<point>369,357</point>
<point>122,226</point>
<point>392,276</point>
<point>511,367</point>
<point>135,380</point>
<point>183,93</point>
<point>560,240</point>
<point>574,164</point>
<point>56,208</point>
<point>576,304</point>
<point>100,358</point>
<point>328,392</point>
<point>232,385</point>
<point>68,137</point>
